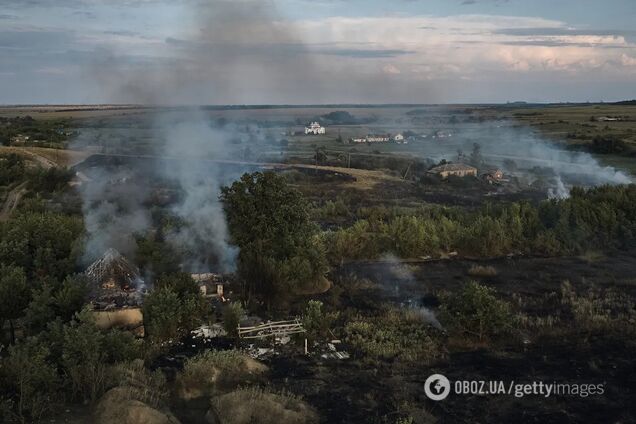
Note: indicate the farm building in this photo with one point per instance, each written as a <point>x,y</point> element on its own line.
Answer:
<point>493,176</point>
<point>378,138</point>
<point>211,284</point>
<point>398,138</point>
<point>455,169</point>
<point>315,128</point>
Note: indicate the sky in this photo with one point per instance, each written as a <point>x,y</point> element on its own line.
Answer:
<point>316,51</point>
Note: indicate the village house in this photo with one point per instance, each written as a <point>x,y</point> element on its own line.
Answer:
<point>210,284</point>
<point>454,169</point>
<point>315,128</point>
<point>493,176</point>
<point>378,138</point>
<point>358,140</point>
<point>399,138</point>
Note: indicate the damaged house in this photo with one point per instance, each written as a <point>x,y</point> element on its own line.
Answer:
<point>115,285</point>
<point>114,280</point>
<point>454,169</point>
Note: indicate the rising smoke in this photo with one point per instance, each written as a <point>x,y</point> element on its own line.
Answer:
<point>398,276</point>
<point>527,155</point>
<point>114,207</point>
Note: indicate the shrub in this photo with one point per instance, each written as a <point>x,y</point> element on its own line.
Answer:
<point>213,371</point>
<point>29,374</point>
<point>315,321</point>
<point>138,383</point>
<point>482,271</point>
<point>599,310</point>
<point>233,313</point>
<point>251,405</point>
<point>395,334</point>
<point>476,312</point>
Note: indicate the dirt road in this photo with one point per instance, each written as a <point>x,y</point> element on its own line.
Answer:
<point>12,200</point>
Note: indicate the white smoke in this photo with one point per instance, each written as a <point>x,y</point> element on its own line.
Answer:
<point>401,274</point>
<point>559,191</point>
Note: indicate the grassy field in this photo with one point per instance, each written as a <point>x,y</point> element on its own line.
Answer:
<point>583,121</point>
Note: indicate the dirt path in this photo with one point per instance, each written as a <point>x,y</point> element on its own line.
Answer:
<point>31,154</point>
<point>12,200</point>
<point>364,179</point>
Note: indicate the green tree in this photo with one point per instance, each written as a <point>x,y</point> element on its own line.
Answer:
<point>14,296</point>
<point>232,315</point>
<point>173,308</point>
<point>33,379</point>
<point>43,244</point>
<point>476,312</point>
<point>52,301</point>
<point>269,221</point>
<point>315,321</point>
<point>161,314</point>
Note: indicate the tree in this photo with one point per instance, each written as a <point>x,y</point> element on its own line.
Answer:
<point>316,321</point>
<point>161,314</point>
<point>476,159</point>
<point>232,315</point>
<point>320,156</point>
<point>279,248</point>
<point>476,312</point>
<point>172,309</point>
<point>43,244</point>
<point>56,301</point>
<point>14,295</point>
<point>32,377</point>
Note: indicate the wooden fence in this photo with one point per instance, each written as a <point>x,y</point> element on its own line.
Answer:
<point>271,329</point>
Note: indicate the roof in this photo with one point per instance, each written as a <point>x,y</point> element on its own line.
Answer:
<point>452,167</point>
<point>113,265</point>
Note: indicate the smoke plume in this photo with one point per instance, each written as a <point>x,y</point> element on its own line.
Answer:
<point>186,136</point>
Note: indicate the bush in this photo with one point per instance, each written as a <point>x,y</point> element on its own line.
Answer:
<point>252,405</point>
<point>138,383</point>
<point>233,313</point>
<point>32,378</point>
<point>599,311</point>
<point>476,312</point>
<point>482,271</point>
<point>394,335</point>
<point>172,309</point>
<point>213,372</point>
<point>315,321</point>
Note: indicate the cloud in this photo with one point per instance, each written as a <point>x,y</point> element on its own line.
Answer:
<point>250,52</point>
<point>391,69</point>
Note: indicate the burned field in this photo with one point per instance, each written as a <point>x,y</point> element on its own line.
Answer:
<point>317,280</point>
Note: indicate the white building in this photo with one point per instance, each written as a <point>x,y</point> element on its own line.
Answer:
<point>398,138</point>
<point>378,138</point>
<point>315,128</point>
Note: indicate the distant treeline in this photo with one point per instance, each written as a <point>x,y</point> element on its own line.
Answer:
<point>597,218</point>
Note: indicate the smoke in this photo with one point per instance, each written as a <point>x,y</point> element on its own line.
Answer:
<point>525,154</point>
<point>559,191</point>
<point>225,32</point>
<point>400,275</point>
<point>113,212</point>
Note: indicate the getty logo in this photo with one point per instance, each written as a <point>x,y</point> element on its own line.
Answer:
<point>437,387</point>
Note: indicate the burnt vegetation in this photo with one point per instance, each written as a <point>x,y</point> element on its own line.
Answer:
<point>393,275</point>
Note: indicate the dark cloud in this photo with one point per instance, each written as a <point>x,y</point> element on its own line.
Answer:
<point>7,17</point>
